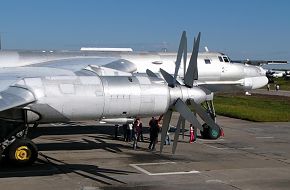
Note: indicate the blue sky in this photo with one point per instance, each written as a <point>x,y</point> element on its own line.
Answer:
<point>256,29</point>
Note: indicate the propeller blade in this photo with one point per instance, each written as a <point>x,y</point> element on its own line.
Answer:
<point>185,112</point>
<point>204,115</point>
<point>183,127</point>
<point>176,135</point>
<point>150,73</point>
<point>179,56</point>
<point>165,126</point>
<point>192,71</point>
<point>168,78</point>
<point>184,57</point>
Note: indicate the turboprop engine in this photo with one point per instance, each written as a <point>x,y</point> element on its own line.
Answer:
<point>63,99</point>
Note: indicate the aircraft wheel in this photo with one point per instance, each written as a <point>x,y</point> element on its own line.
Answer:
<point>22,152</point>
<point>209,133</point>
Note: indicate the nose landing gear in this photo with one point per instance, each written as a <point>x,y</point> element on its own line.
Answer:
<point>14,144</point>
<point>208,132</point>
<point>22,152</point>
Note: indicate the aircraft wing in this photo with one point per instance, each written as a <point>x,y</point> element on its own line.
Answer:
<point>78,64</point>
<point>222,86</point>
<point>15,96</point>
<point>9,76</point>
<point>12,95</point>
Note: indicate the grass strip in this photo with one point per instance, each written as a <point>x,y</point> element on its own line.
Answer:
<point>260,108</point>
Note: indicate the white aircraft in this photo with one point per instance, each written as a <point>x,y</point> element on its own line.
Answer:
<point>51,91</point>
<point>214,68</point>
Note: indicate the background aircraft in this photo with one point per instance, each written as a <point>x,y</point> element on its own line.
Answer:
<point>278,70</point>
<point>214,68</point>
<point>274,68</point>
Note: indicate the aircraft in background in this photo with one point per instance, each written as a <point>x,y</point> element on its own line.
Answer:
<point>214,67</point>
<point>278,70</point>
<point>274,68</point>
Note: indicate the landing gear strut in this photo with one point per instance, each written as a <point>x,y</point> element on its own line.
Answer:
<point>208,132</point>
<point>14,144</point>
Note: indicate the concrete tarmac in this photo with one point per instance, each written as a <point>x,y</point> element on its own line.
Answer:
<point>86,157</point>
<point>271,92</point>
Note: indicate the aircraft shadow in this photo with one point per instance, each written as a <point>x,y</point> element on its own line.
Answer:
<point>85,144</point>
<point>50,166</point>
<point>68,129</point>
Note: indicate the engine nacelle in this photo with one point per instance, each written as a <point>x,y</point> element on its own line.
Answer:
<point>77,98</point>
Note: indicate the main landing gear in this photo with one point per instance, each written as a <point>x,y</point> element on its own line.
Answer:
<point>208,132</point>
<point>14,144</point>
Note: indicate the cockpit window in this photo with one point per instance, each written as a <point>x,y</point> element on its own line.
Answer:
<point>226,59</point>
<point>207,61</point>
<point>221,59</point>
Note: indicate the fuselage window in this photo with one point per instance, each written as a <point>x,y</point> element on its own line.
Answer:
<point>226,59</point>
<point>207,61</point>
<point>220,58</point>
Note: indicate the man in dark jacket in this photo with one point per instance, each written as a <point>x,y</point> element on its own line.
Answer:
<point>154,130</point>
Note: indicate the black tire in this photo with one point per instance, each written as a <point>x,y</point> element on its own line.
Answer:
<point>204,133</point>
<point>22,152</point>
<point>214,134</point>
<point>209,133</point>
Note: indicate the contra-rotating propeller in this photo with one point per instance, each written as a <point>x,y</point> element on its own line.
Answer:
<point>179,105</point>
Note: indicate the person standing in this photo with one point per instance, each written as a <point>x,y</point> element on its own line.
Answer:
<point>129,132</point>
<point>154,130</point>
<point>167,139</point>
<point>277,87</point>
<point>268,87</point>
<point>192,135</point>
<point>125,131</point>
<point>116,131</point>
<point>137,129</point>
